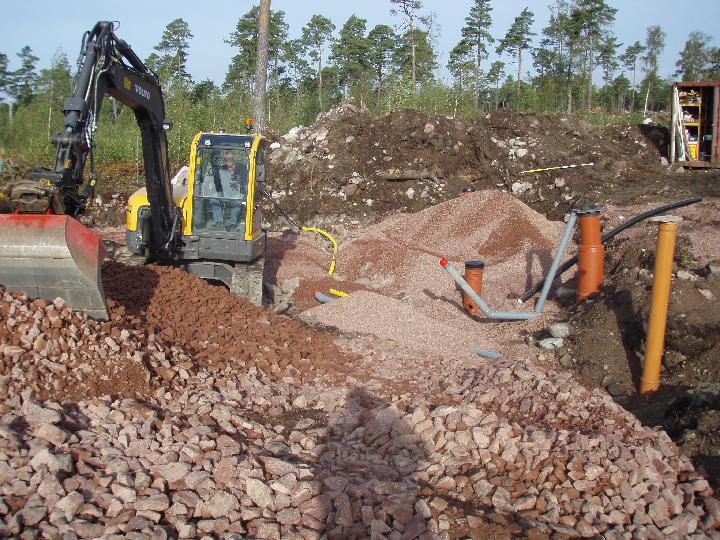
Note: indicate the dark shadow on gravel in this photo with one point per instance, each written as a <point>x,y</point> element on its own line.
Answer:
<point>544,257</point>
<point>369,471</point>
<point>691,417</point>
<point>454,303</point>
<point>276,249</point>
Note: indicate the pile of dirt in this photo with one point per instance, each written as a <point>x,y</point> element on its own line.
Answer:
<point>400,255</point>
<point>350,168</point>
<point>219,329</point>
<point>167,328</point>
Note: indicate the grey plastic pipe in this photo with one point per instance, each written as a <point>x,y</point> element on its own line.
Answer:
<point>519,315</point>
<point>323,298</point>
<point>493,355</point>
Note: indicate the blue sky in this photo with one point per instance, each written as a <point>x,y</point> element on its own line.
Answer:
<point>46,25</point>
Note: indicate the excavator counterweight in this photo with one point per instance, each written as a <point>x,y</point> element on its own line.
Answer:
<point>51,256</point>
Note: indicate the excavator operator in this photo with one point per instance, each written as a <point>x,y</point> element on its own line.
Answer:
<point>230,183</point>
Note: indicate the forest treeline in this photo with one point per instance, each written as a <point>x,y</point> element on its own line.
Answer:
<point>554,69</point>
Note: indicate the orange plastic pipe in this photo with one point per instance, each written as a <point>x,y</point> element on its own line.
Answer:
<point>650,381</point>
<point>591,256</point>
<point>474,277</point>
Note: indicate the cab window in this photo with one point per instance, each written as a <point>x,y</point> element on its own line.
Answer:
<point>220,191</point>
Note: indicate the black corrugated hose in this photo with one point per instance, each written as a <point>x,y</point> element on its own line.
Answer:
<point>609,236</point>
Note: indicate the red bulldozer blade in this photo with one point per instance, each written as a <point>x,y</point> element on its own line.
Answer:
<point>51,256</point>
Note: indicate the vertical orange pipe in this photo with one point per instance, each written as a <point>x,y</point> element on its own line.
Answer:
<point>474,277</point>
<point>650,381</point>
<point>591,255</point>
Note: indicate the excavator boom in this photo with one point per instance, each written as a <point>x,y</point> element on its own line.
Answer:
<point>46,253</point>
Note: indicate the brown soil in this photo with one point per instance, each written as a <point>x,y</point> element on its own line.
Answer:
<point>350,167</point>
<point>608,341</point>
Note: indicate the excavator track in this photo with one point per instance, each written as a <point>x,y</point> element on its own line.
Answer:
<point>247,280</point>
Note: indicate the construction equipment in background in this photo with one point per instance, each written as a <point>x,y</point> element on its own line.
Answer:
<point>207,225</point>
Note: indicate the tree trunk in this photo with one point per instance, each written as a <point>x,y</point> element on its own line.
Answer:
<point>259,102</point>
<point>320,79</point>
<point>10,113</point>
<point>590,72</point>
<point>519,53</point>
<point>412,45</point>
<point>114,110</point>
<point>497,93</point>
<point>569,99</point>
<point>632,101</point>
<point>477,79</point>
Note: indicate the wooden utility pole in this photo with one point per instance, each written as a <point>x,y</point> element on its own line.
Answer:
<point>259,103</point>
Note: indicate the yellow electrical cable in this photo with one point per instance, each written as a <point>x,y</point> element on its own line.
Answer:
<point>332,241</point>
<point>338,293</point>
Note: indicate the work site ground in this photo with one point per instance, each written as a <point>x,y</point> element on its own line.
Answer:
<point>192,413</point>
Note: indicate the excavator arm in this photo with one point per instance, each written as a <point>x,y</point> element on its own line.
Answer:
<point>108,65</point>
<point>49,256</point>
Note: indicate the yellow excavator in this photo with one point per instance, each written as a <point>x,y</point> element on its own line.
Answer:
<point>207,224</point>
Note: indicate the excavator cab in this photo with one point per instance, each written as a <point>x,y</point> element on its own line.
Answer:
<point>221,237</point>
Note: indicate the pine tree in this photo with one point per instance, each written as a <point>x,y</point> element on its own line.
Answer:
<point>693,61</point>
<point>476,33</point>
<point>460,64</point>
<point>351,51</point>
<point>382,42</point>
<point>609,62</point>
<point>22,80</point>
<point>629,59</point>
<point>315,36</point>
<point>557,54</point>
<point>496,73</point>
<point>174,47</point>
<point>518,39</point>
<point>203,92</point>
<point>409,9</point>
<point>241,72</point>
<point>4,75</point>
<point>293,55</point>
<point>592,18</point>
<point>415,45</point>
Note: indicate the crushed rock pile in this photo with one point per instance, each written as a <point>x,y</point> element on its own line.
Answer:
<point>59,353</point>
<point>221,331</point>
<point>350,167</point>
<point>519,451</point>
<point>399,256</point>
<point>167,328</point>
